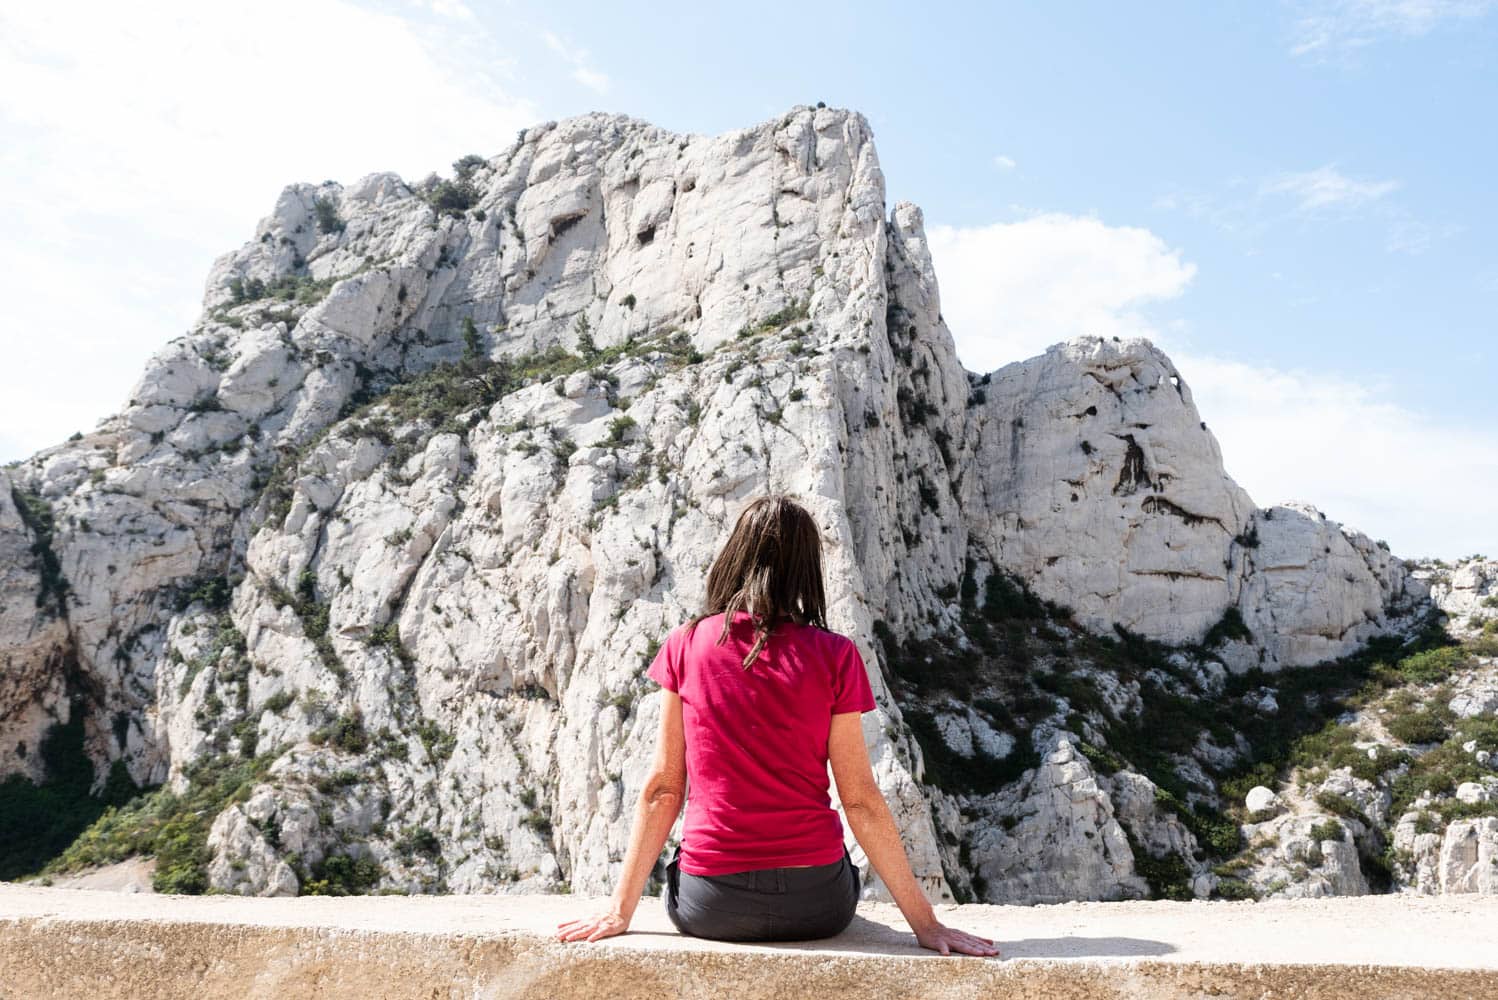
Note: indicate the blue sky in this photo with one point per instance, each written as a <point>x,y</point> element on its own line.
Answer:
<point>1293,199</point>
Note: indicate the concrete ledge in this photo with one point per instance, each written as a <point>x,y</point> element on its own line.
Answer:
<point>86,943</point>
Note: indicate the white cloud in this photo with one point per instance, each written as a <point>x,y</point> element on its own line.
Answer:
<point>1327,188</point>
<point>1335,28</point>
<point>1024,285</point>
<point>1004,162</point>
<point>582,70</point>
<point>1375,464</point>
<point>139,142</point>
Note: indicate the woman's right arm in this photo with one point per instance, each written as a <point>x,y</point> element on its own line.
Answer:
<point>874,827</point>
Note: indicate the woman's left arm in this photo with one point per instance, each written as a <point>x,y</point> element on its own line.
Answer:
<point>656,810</point>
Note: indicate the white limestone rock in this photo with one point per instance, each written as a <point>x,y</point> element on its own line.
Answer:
<point>1261,799</point>
<point>1476,692</point>
<point>470,599</point>
<point>1296,859</point>
<point>1467,592</point>
<point>1460,857</point>
<point>1065,842</point>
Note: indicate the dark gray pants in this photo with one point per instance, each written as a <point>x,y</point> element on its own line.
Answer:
<point>767,904</point>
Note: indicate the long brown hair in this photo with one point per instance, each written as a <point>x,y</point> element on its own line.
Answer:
<point>771,567</point>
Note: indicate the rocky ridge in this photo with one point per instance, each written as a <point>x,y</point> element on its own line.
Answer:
<point>370,565</point>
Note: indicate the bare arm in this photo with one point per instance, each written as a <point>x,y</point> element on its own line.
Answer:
<point>659,804</point>
<point>655,813</point>
<point>873,825</point>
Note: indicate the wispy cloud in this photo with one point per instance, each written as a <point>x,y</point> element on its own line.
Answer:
<point>1008,291</point>
<point>1004,162</point>
<point>1327,188</point>
<point>1249,209</point>
<point>1327,29</point>
<point>1409,235</point>
<point>582,69</point>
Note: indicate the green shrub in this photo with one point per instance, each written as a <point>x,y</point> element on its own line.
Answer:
<point>1333,746</point>
<point>419,840</point>
<point>457,196</point>
<point>1437,771</point>
<point>1341,805</point>
<point>1329,830</point>
<point>314,616</point>
<point>473,345</point>
<point>346,733</point>
<point>328,220</point>
<point>1168,877</point>
<point>388,636</point>
<point>1418,727</point>
<point>38,823</point>
<point>1234,889</point>
<point>585,345</point>
<point>302,289</point>
<point>466,166</point>
<point>539,822</point>
<point>1434,665</point>
<point>280,701</point>
<point>213,591</point>
<point>618,428</point>
<point>438,742</point>
<point>1231,626</point>
<point>342,875</point>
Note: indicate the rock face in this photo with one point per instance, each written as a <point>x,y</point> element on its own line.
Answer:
<point>1467,592</point>
<point>409,508</point>
<point>1097,481</point>
<point>1063,840</point>
<point>1461,858</point>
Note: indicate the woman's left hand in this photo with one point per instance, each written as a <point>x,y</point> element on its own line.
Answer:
<point>602,925</point>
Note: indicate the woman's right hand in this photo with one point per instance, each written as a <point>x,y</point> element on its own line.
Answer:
<point>939,937</point>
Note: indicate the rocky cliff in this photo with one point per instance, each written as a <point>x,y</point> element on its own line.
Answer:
<point>369,568</point>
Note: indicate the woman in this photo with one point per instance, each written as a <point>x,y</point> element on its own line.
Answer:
<point>759,696</point>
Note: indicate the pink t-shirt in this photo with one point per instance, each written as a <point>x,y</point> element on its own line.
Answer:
<point>757,782</point>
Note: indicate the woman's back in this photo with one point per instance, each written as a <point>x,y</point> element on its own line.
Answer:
<point>756,741</point>
<point>744,739</point>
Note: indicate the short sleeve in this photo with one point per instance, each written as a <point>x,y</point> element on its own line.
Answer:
<point>665,669</point>
<point>850,680</point>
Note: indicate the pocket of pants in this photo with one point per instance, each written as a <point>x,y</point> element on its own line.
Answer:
<point>710,893</point>
<point>733,880</point>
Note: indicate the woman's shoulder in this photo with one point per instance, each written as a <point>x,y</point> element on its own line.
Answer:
<point>684,631</point>
<point>827,638</point>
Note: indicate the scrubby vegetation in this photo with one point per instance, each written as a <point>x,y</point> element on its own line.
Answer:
<point>172,828</point>
<point>328,220</point>
<point>303,289</point>
<point>38,822</point>
<point>1019,661</point>
<point>454,397</point>
<point>342,875</point>
<point>313,614</point>
<point>36,514</point>
<point>992,673</point>
<point>454,197</point>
